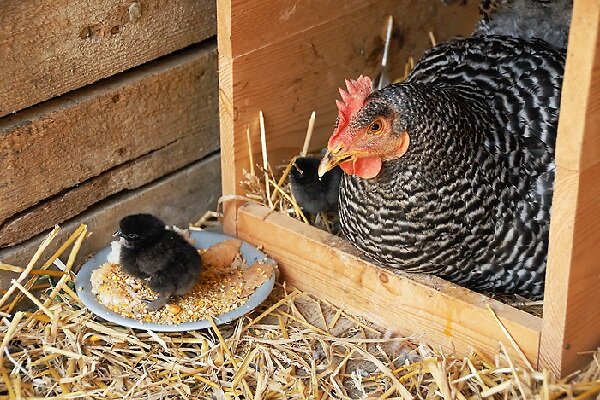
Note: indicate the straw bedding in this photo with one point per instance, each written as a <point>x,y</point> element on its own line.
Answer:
<point>292,347</point>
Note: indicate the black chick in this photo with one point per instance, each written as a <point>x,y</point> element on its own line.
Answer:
<point>161,256</point>
<point>314,194</point>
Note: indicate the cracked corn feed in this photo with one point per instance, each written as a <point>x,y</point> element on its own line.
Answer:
<point>225,283</point>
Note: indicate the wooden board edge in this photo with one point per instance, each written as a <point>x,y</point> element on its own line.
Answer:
<point>226,115</point>
<point>319,263</point>
<point>571,326</point>
<point>578,142</point>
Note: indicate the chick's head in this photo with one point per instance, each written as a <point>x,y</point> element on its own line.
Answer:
<point>304,169</point>
<point>139,230</point>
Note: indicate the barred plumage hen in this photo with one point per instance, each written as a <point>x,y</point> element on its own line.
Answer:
<point>451,172</point>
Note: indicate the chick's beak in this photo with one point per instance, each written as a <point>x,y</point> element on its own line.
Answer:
<point>118,233</point>
<point>332,159</point>
<point>327,163</point>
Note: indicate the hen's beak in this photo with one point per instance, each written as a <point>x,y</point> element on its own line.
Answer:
<point>332,159</point>
<point>118,233</point>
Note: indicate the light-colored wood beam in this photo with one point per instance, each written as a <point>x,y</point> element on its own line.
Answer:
<point>431,308</point>
<point>572,305</point>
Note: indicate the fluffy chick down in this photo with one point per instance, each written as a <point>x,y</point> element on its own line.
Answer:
<point>314,194</point>
<point>161,256</point>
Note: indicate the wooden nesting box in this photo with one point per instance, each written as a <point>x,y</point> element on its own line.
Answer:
<point>288,58</point>
<point>107,107</point>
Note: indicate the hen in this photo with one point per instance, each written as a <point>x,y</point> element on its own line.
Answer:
<point>451,172</point>
<point>164,258</point>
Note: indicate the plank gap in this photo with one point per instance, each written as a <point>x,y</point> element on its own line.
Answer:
<point>124,177</point>
<point>105,85</point>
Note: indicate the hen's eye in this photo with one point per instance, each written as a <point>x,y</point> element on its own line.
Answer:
<point>375,127</point>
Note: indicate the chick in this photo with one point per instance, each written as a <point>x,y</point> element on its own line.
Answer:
<point>161,256</point>
<point>314,194</point>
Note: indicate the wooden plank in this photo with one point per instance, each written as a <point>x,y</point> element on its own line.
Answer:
<point>229,181</point>
<point>128,176</point>
<point>571,303</point>
<point>439,312</point>
<point>280,58</point>
<point>50,47</point>
<point>266,24</point>
<point>81,135</point>
<point>578,143</point>
<point>179,198</point>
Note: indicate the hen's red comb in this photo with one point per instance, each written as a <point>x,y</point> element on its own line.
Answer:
<point>352,100</point>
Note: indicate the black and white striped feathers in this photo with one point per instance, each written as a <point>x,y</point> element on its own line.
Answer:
<point>470,199</point>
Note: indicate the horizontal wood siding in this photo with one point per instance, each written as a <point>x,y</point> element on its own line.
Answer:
<point>50,47</point>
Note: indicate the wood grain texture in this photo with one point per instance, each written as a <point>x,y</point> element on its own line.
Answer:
<point>128,176</point>
<point>48,48</point>
<point>571,303</point>
<point>439,312</point>
<point>49,149</point>
<point>227,117</point>
<point>179,198</point>
<point>578,142</point>
<point>287,60</point>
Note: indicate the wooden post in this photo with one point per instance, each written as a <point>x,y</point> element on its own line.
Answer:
<point>572,303</point>
<point>230,173</point>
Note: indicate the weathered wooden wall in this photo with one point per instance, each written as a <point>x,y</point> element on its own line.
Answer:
<point>107,107</point>
<point>49,47</point>
<point>58,158</point>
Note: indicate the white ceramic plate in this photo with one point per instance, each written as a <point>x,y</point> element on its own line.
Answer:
<point>203,240</point>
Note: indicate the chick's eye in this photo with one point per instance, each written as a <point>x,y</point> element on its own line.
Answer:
<point>375,127</point>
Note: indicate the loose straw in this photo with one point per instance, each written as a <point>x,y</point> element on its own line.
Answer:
<point>250,155</point>
<point>305,147</point>
<point>263,143</point>
<point>511,339</point>
<point>309,132</point>
<point>388,38</point>
<point>29,267</point>
<point>383,78</point>
<point>432,38</point>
